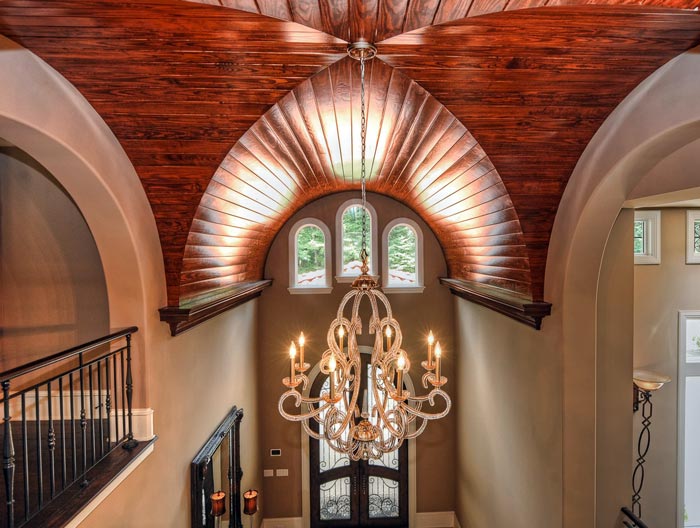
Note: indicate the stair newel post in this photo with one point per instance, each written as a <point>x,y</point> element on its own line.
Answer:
<point>8,457</point>
<point>130,442</point>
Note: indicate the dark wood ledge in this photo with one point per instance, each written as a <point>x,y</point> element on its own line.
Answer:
<point>74,498</point>
<point>521,309</point>
<point>181,318</point>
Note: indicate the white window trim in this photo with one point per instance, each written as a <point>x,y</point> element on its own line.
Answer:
<point>340,277</point>
<point>652,251</point>
<point>294,288</point>
<point>395,288</point>
<point>691,257</point>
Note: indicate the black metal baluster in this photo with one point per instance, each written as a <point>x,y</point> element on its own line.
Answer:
<point>92,414</point>
<point>83,420</point>
<point>116,400</point>
<point>8,457</point>
<point>51,437</point>
<point>25,456</point>
<point>39,462</point>
<point>63,433</point>
<point>74,448</point>
<point>99,409</point>
<point>130,443</point>
<point>121,357</point>
<point>108,406</point>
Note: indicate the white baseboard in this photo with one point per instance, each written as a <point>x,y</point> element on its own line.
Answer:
<point>446,519</point>
<point>283,522</point>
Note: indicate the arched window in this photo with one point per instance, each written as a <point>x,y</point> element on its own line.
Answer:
<point>310,254</point>
<point>402,244</point>
<point>349,229</point>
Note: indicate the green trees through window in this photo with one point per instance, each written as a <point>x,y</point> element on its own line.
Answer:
<point>402,255</point>
<point>311,256</point>
<point>352,239</point>
<point>639,237</point>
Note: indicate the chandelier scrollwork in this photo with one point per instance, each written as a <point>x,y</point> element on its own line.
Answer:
<point>390,413</point>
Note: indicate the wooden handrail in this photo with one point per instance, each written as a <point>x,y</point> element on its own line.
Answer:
<point>638,523</point>
<point>37,364</point>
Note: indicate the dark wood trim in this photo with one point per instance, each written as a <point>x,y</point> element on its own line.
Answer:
<point>521,309</point>
<point>185,317</point>
<point>71,501</point>
<point>202,474</point>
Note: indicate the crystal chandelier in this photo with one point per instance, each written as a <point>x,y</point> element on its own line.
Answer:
<point>391,414</point>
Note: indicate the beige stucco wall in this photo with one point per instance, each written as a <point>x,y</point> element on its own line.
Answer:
<point>614,375</point>
<point>660,292</point>
<point>283,316</point>
<point>196,378</point>
<point>52,288</point>
<point>508,411</point>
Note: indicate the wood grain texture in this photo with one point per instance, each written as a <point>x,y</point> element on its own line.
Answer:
<point>178,83</point>
<point>237,114</point>
<point>533,87</point>
<point>378,20</point>
<point>308,146</point>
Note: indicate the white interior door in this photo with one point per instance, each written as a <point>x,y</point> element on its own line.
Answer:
<point>689,419</point>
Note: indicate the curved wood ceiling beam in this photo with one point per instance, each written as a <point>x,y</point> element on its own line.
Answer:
<point>533,86</point>
<point>308,146</point>
<point>378,20</point>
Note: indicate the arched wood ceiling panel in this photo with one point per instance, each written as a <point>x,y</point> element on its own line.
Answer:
<point>177,82</point>
<point>378,20</point>
<point>533,90</point>
<point>308,145</point>
<point>180,83</point>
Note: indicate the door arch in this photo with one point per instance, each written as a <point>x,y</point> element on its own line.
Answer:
<point>344,492</point>
<point>306,456</point>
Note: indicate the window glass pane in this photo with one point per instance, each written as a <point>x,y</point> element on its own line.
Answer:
<point>696,236</point>
<point>639,233</point>
<point>311,257</point>
<point>692,340</point>
<point>328,458</point>
<point>402,255</point>
<point>383,498</point>
<point>335,499</point>
<point>352,239</point>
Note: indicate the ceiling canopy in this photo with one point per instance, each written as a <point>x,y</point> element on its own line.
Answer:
<point>235,116</point>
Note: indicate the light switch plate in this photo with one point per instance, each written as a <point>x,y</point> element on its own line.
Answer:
<point>282,472</point>
<point>268,473</point>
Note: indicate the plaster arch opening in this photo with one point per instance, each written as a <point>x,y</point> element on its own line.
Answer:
<point>658,118</point>
<point>45,116</point>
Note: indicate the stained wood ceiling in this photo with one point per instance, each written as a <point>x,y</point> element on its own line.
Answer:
<point>224,112</point>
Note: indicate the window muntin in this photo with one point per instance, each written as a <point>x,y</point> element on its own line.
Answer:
<point>309,257</point>
<point>402,245</point>
<point>647,237</point>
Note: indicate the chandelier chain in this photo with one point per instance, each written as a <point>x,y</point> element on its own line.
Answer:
<point>363,175</point>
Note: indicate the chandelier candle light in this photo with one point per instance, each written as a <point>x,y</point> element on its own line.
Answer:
<point>390,414</point>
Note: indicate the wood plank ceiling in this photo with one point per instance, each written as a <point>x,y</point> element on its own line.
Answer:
<point>225,113</point>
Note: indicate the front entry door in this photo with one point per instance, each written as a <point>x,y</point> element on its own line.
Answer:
<point>363,493</point>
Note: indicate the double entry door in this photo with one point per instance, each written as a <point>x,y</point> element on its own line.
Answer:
<point>362,493</point>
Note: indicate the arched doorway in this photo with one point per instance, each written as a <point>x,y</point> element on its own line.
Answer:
<point>357,493</point>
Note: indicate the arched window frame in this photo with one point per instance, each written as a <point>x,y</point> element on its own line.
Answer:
<point>294,288</point>
<point>374,256</point>
<point>396,288</point>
